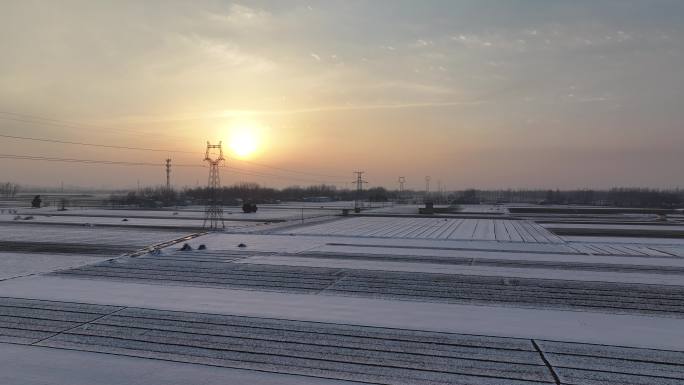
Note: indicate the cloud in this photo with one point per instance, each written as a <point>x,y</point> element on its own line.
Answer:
<point>241,16</point>
<point>420,43</point>
<point>327,108</point>
<point>218,54</point>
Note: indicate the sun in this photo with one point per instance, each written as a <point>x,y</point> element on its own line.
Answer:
<point>244,142</point>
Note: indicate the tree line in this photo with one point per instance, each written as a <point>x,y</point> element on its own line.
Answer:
<point>618,197</point>
<point>254,193</point>
<point>8,190</point>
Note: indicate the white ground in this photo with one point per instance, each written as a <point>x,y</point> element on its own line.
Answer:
<point>296,243</point>
<point>181,217</point>
<point>14,265</point>
<point>628,240</point>
<point>84,234</point>
<point>34,365</point>
<point>590,276</point>
<point>373,237</point>
<point>129,222</point>
<point>613,226</point>
<point>434,228</point>
<point>576,326</point>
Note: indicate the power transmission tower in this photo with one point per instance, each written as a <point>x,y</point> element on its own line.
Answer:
<point>168,174</point>
<point>401,181</point>
<point>213,212</point>
<point>359,188</point>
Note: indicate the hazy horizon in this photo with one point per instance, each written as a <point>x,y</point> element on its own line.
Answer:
<point>482,94</point>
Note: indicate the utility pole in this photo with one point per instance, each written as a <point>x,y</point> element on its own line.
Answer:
<point>213,212</point>
<point>439,190</point>
<point>168,174</point>
<point>427,187</point>
<point>359,188</point>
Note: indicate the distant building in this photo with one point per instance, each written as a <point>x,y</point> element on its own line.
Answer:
<point>318,199</point>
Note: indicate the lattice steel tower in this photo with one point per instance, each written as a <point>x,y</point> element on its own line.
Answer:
<point>359,189</point>
<point>213,213</point>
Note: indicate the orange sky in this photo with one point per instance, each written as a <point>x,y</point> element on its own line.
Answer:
<point>562,95</point>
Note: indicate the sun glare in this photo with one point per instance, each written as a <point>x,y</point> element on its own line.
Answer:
<point>244,142</point>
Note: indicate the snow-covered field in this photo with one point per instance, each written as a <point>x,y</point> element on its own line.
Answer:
<point>126,221</point>
<point>334,300</point>
<point>613,226</point>
<point>265,213</point>
<point>14,265</point>
<point>434,228</point>
<point>45,233</point>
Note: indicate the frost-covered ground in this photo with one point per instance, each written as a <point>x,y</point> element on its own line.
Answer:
<point>168,217</point>
<point>434,228</point>
<point>13,265</point>
<point>83,235</point>
<point>333,300</point>
<point>654,226</point>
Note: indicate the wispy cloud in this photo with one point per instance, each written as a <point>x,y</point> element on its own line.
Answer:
<point>293,111</point>
<point>241,16</point>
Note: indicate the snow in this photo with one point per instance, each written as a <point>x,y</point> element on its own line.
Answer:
<point>618,240</point>
<point>130,221</point>
<point>612,226</point>
<point>84,234</point>
<point>14,265</point>
<point>434,228</point>
<point>555,325</point>
<point>352,260</point>
<point>298,243</point>
<point>33,365</point>
<point>265,212</point>
<point>591,276</point>
<point>500,255</point>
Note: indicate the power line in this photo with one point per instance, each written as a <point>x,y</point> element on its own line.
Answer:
<point>260,174</point>
<point>90,144</point>
<point>73,160</point>
<point>125,163</point>
<point>95,144</point>
<point>286,169</point>
<point>34,119</point>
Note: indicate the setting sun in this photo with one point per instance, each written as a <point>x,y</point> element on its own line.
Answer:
<point>244,142</point>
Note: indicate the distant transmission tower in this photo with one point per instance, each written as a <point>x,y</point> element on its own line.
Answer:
<point>168,174</point>
<point>359,188</point>
<point>213,213</point>
<point>401,181</point>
